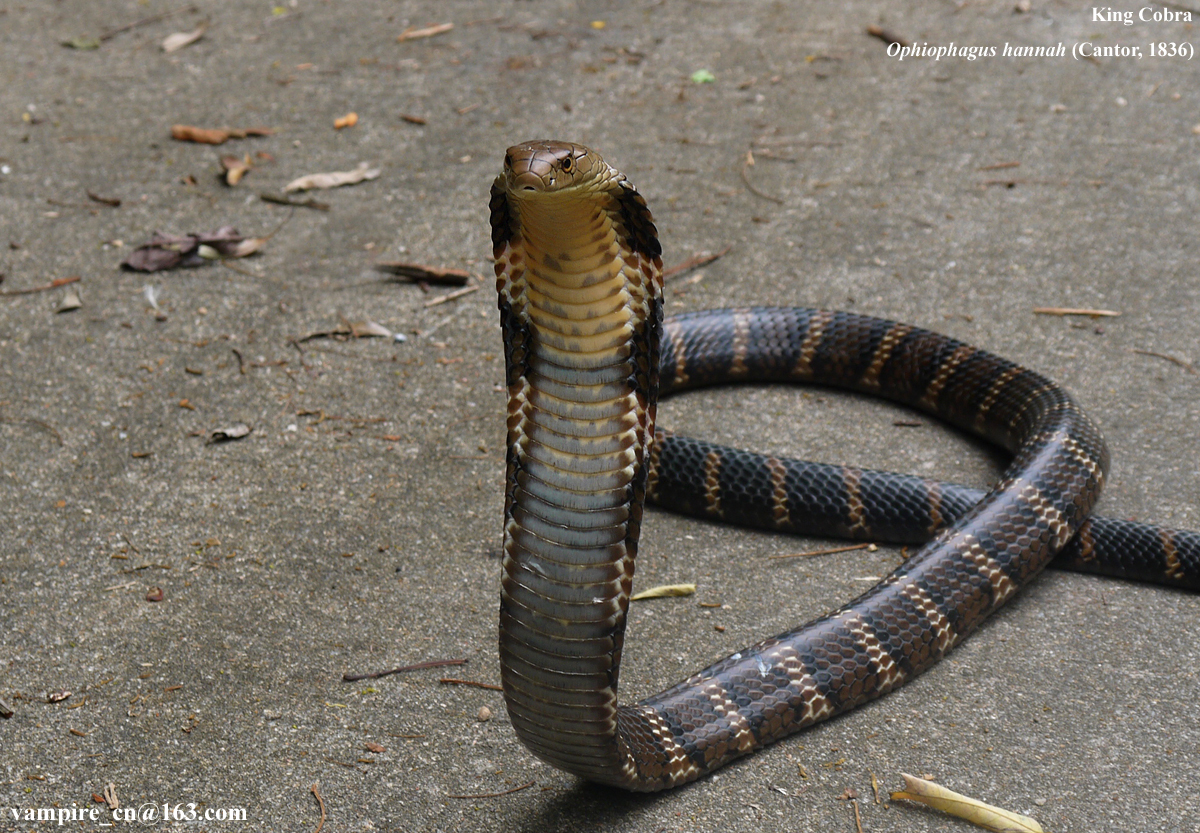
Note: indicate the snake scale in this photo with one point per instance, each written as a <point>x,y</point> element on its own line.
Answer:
<point>587,351</point>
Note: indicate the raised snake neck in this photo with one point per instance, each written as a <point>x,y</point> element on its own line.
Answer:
<point>580,292</point>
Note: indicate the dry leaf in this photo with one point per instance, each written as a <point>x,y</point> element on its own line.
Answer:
<point>419,273</point>
<point>70,301</point>
<point>429,31</point>
<point>235,168</point>
<point>369,329</point>
<point>664,590</point>
<point>155,594</point>
<point>109,201</point>
<point>332,180</point>
<point>954,804</point>
<point>233,432</point>
<point>203,135</point>
<point>348,120</point>
<point>166,251</point>
<point>181,39</point>
<point>248,246</point>
<point>216,135</point>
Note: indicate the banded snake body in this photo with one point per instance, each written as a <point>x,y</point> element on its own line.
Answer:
<point>587,351</point>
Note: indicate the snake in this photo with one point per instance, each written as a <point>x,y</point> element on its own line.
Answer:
<point>588,351</point>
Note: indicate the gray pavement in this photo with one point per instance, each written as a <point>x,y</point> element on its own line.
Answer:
<point>357,527</point>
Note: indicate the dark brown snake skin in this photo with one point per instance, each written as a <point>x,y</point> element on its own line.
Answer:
<point>802,497</point>
<point>579,278</point>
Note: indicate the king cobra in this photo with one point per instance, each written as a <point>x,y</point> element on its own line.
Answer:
<point>579,276</point>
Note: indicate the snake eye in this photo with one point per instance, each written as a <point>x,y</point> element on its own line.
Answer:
<point>568,163</point>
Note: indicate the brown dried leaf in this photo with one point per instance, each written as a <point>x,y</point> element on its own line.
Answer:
<point>155,594</point>
<point>332,180</point>
<point>428,274</point>
<point>109,201</point>
<point>203,135</point>
<point>374,747</point>
<point>215,136</point>
<point>165,251</point>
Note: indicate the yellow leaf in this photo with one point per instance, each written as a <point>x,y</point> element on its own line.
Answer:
<point>664,590</point>
<point>976,812</point>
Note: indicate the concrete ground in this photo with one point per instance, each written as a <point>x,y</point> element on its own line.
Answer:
<point>357,527</point>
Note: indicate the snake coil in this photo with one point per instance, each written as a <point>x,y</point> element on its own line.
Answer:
<point>579,277</point>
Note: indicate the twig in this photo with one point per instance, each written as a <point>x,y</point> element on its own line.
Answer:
<point>450,296</point>
<point>749,185</point>
<point>886,36</point>
<point>857,817</point>
<point>436,663</point>
<point>145,21</point>
<point>109,201</point>
<point>1094,313</point>
<point>241,361</point>
<point>320,803</point>
<point>496,795</point>
<point>343,763</point>
<point>294,202</point>
<point>429,274</point>
<point>829,551</point>
<point>54,284</point>
<point>999,165</point>
<point>694,262</point>
<point>129,541</point>
<point>45,426</point>
<point>1012,183</point>
<point>1188,366</point>
<point>454,681</point>
<point>412,33</point>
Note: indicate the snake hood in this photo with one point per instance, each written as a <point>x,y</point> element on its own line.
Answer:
<point>550,188</point>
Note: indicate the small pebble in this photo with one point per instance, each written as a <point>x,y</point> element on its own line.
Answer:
<point>1041,802</point>
<point>485,713</point>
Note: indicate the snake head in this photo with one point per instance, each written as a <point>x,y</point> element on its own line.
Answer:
<point>544,166</point>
